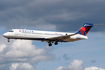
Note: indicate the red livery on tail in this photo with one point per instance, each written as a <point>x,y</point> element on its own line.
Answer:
<point>85,29</point>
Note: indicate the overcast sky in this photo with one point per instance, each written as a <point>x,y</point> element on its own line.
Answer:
<point>56,15</point>
<point>59,15</point>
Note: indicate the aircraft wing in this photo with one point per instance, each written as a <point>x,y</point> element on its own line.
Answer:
<point>61,38</point>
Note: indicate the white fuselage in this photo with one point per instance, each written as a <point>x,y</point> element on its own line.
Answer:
<point>41,35</point>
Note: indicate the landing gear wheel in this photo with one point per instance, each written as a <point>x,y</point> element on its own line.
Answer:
<point>56,43</point>
<point>50,44</point>
<point>8,40</point>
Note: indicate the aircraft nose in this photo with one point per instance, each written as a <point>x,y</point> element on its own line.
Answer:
<point>5,34</point>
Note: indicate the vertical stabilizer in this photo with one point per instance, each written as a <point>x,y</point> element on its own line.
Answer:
<point>85,29</point>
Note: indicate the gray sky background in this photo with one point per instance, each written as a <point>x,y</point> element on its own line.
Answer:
<point>59,15</point>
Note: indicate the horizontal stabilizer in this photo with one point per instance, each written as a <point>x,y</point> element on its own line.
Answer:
<point>97,24</point>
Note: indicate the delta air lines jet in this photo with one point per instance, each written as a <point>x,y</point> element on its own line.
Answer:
<point>50,37</point>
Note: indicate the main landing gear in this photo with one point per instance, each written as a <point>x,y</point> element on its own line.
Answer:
<point>50,43</point>
<point>56,43</point>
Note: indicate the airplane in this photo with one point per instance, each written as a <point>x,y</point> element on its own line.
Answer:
<point>49,36</point>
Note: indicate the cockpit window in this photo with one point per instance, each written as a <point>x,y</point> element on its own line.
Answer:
<point>10,31</point>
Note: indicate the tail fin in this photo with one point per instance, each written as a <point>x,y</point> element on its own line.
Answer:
<point>85,29</point>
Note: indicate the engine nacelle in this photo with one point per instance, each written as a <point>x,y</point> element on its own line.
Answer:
<point>79,37</point>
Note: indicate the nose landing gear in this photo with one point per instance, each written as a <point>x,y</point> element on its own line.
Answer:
<point>8,40</point>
